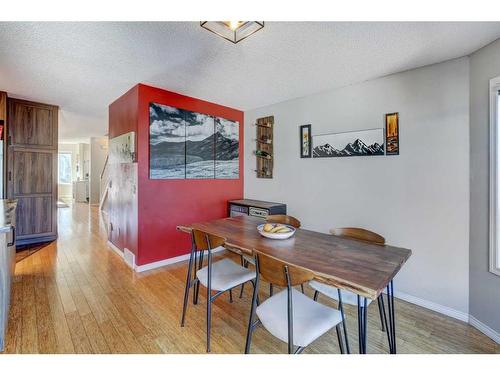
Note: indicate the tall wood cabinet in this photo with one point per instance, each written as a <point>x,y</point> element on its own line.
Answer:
<point>32,169</point>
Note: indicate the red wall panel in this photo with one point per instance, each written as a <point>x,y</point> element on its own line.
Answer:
<point>164,204</point>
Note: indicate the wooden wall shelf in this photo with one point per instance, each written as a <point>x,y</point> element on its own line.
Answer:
<point>264,144</point>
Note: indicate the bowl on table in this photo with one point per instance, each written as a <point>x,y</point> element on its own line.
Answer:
<point>276,231</point>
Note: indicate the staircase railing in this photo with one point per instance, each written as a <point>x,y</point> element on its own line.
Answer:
<point>104,184</point>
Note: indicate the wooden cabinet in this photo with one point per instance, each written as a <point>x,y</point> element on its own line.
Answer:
<point>32,169</point>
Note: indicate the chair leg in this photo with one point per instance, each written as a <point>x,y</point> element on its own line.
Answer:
<point>196,292</point>
<point>186,290</point>
<point>344,325</point>
<point>270,290</point>
<point>302,288</point>
<point>230,296</point>
<point>244,263</point>
<point>316,295</point>
<point>339,338</point>
<point>381,312</point>
<point>209,319</point>
<point>209,295</point>
<point>251,324</point>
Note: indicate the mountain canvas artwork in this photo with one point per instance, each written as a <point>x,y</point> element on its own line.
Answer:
<point>192,145</point>
<point>357,143</point>
<point>227,148</point>
<point>200,145</point>
<point>167,142</point>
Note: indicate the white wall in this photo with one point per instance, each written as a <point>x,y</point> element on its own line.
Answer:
<point>484,285</point>
<point>418,200</point>
<point>65,191</point>
<point>98,153</point>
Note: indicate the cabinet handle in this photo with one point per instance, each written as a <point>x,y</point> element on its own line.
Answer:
<point>13,229</point>
<point>10,176</point>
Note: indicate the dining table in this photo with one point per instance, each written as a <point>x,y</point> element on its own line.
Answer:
<point>363,268</point>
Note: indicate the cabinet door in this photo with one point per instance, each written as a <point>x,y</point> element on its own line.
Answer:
<point>32,169</point>
<point>32,124</point>
<point>32,181</point>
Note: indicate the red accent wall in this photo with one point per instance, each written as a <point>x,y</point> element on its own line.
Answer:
<point>164,204</point>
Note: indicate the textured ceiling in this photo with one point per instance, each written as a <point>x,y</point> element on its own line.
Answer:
<point>83,67</point>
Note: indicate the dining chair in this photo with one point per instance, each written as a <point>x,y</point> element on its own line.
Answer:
<point>289,315</point>
<point>220,276</point>
<point>280,219</point>
<point>344,296</point>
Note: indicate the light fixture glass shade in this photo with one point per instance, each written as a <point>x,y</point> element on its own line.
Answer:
<point>234,31</point>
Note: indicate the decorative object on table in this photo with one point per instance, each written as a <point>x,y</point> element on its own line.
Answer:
<point>392,133</point>
<point>354,143</point>
<point>234,31</point>
<point>122,148</point>
<point>264,147</point>
<point>276,231</point>
<point>305,141</point>
<point>192,145</point>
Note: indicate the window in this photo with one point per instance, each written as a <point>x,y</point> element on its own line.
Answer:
<point>65,168</point>
<point>495,176</point>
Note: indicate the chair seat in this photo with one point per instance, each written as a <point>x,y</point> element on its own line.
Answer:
<point>226,274</point>
<point>348,298</point>
<point>310,319</point>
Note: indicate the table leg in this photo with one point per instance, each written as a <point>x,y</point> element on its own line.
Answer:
<point>391,326</point>
<point>362,319</point>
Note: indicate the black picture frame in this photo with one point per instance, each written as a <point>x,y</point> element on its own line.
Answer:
<point>305,149</point>
<point>392,133</point>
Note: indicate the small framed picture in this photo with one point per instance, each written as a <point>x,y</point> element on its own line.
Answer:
<point>392,133</point>
<point>305,141</point>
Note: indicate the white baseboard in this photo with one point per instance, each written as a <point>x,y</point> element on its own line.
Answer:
<point>166,262</point>
<point>491,333</point>
<point>153,265</point>
<point>115,249</point>
<point>445,310</point>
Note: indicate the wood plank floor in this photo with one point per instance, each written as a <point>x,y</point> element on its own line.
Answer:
<point>77,296</point>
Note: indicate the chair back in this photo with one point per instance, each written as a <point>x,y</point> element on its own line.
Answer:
<point>204,241</point>
<point>359,234</point>
<point>284,219</point>
<point>275,271</point>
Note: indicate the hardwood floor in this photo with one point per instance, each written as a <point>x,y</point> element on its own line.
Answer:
<point>77,296</point>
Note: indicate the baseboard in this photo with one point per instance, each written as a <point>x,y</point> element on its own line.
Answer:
<point>491,333</point>
<point>153,265</point>
<point>115,249</point>
<point>166,262</point>
<point>448,311</point>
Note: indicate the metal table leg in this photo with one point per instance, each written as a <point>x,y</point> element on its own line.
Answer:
<point>362,318</point>
<point>391,325</point>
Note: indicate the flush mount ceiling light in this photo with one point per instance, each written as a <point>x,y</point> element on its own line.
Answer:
<point>234,31</point>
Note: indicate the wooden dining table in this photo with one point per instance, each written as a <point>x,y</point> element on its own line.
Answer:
<point>360,267</point>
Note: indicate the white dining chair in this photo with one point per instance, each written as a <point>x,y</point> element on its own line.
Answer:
<point>220,276</point>
<point>289,315</point>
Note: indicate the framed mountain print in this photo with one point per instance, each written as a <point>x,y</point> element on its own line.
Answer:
<point>305,141</point>
<point>392,133</point>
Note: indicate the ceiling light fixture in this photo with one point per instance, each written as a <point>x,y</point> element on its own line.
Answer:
<point>234,31</point>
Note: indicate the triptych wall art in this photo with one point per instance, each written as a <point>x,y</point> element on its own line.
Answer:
<point>370,142</point>
<point>191,145</point>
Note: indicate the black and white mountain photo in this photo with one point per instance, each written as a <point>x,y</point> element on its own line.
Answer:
<point>185,144</point>
<point>358,143</point>
<point>167,142</point>
<point>226,148</point>
<point>200,145</point>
